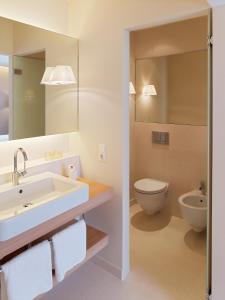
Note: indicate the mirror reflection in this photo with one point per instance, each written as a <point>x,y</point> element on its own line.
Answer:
<point>172,89</point>
<point>169,72</point>
<point>32,104</point>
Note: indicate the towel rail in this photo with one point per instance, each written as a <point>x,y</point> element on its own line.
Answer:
<point>96,241</point>
<point>47,237</point>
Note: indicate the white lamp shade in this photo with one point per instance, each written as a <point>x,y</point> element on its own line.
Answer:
<point>47,75</point>
<point>63,75</point>
<point>149,90</point>
<point>131,89</point>
<point>59,75</point>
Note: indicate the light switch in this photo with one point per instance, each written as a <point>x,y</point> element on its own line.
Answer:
<point>102,152</point>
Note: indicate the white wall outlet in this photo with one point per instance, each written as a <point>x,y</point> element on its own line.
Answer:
<point>102,152</point>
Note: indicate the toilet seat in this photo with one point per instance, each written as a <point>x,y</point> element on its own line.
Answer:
<point>150,186</point>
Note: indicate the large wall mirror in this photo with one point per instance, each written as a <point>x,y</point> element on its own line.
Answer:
<point>169,71</point>
<point>38,81</point>
<point>177,93</point>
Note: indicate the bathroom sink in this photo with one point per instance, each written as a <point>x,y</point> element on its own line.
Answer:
<point>37,199</point>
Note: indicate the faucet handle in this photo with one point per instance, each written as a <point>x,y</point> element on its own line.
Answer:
<point>202,187</point>
<point>23,173</point>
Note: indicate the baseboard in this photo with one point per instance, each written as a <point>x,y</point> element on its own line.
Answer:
<point>107,266</point>
<point>133,201</point>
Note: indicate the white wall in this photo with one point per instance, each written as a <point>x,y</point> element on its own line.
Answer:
<point>48,14</point>
<point>218,204</point>
<point>104,115</point>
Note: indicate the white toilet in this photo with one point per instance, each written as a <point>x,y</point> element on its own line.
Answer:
<point>151,194</point>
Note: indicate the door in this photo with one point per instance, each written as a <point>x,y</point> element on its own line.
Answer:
<point>28,97</point>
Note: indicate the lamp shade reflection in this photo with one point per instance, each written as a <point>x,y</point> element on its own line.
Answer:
<point>131,88</point>
<point>149,90</point>
<point>59,75</point>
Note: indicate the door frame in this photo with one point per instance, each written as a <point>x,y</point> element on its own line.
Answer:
<point>126,140</point>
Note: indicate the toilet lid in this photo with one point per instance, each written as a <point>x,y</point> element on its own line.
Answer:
<point>150,186</point>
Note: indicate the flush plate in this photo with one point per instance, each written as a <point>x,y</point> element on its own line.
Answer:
<point>159,137</point>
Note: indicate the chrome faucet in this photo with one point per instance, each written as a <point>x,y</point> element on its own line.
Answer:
<point>203,188</point>
<point>17,174</point>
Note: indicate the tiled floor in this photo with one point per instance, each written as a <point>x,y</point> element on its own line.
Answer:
<point>168,263</point>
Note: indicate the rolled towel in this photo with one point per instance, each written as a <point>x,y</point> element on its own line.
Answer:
<point>69,248</point>
<point>28,275</point>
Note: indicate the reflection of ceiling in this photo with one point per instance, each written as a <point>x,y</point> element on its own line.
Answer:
<point>4,60</point>
<point>37,55</point>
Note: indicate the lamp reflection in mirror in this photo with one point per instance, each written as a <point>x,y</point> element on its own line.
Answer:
<point>59,75</point>
<point>47,75</point>
<point>149,90</point>
<point>131,88</point>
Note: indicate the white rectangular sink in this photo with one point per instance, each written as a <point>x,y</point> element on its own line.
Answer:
<point>36,200</point>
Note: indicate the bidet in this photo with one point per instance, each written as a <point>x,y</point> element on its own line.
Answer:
<point>194,209</point>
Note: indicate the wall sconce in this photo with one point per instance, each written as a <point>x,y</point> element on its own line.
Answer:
<point>149,90</point>
<point>59,75</point>
<point>131,88</point>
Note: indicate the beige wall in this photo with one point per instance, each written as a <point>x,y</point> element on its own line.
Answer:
<point>152,108</point>
<point>104,107</point>
<point>6,34</point>
<point>161,44</point>
<point>185,36</point>
<point>183,164</point>
<point>188,88</point>
<point>181,84</point>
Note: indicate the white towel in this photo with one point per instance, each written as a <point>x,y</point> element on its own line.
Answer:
<point>28,275</point>
<point>69,248</point>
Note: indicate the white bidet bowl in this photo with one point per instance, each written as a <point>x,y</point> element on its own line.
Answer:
<point>194,209</point>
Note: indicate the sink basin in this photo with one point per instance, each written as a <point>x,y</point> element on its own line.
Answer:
<point>37,199</point>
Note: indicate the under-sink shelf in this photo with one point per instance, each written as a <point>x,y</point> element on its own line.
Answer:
<point>97,240</point>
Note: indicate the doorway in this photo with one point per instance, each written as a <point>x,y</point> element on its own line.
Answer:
<point>170,157</point>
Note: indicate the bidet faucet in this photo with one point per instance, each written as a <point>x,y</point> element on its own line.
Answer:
<point>202,187</point>
<point>17,174</point>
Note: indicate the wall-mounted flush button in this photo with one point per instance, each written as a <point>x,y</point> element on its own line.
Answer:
<point>161,138</point>
<point>102,152</point>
